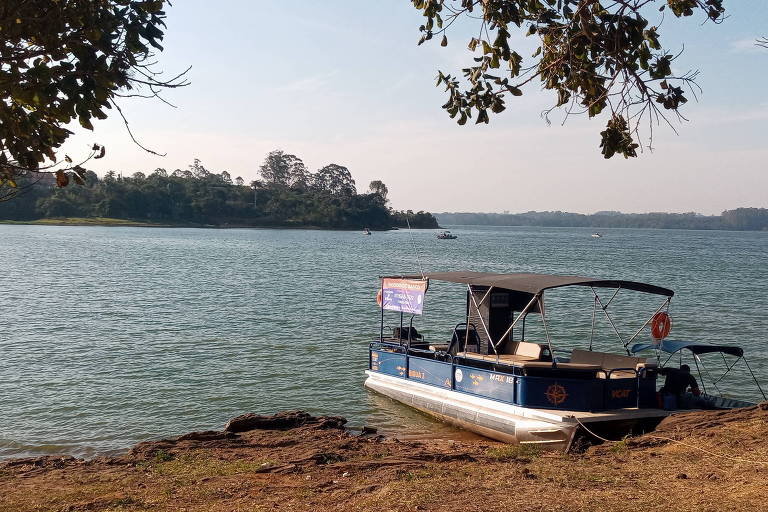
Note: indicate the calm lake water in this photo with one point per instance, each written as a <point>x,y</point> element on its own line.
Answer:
<point>116,335</point>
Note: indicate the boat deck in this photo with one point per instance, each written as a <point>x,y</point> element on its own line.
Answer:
<point>608,415</point>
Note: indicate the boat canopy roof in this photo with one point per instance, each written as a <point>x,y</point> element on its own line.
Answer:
<point>672,346</point>
<point>537,283</point>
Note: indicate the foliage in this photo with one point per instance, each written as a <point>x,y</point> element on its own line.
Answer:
<point>594,55</point>
<point>378,188</point>
<point>198,196</point>
<point>751,219</point>
<point>284,170</point>
<point>755,219</point>
<point>334,180</point>
<point>66,60</point>
<point>418,220</point>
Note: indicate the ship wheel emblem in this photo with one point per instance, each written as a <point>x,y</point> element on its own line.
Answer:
<point>556,394</point>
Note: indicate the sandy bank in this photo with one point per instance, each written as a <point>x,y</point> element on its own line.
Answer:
<point>293,461</point>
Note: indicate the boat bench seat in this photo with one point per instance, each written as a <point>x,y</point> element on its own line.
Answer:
<point>504,358</point>
<point>518,352</point>
<point>609,362</point>
<point>526,361</point>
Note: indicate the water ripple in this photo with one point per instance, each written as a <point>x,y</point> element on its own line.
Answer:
<point>116,335</point>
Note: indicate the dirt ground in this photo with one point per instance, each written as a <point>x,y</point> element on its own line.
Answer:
<point>714,461</point>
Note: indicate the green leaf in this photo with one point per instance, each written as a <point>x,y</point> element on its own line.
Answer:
<point>85,123</point>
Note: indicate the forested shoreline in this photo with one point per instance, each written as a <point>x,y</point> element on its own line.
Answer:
<point>739,219</point>
<point>286,196</point>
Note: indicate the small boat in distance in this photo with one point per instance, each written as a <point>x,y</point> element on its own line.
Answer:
<point>597,235</point>
<point>446,235</point>
<point>366,231</point>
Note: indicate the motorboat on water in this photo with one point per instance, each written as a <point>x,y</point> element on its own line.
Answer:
<point>597,235</point>
<point>676,353</point>
<point>446,235</point>
<point>366,231</point>
<point>498,382</point>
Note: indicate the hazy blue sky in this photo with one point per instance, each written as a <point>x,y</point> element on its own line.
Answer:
<point>343,81</point>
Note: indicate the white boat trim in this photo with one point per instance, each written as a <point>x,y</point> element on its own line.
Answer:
<point>498,420</point>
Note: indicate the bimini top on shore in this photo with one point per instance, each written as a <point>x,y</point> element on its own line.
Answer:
<point>535,283</point>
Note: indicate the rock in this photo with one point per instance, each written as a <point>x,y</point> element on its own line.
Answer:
<point>46,461</point>
<point>282,421</point>
<point>682,476</point>
<point>207,435</point>
<point>327,458</point>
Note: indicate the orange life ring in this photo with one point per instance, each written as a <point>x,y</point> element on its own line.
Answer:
<point>661,324</point>
<point>378,298</point>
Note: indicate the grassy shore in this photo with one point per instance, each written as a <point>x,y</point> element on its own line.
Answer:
<point>87,221</point>
<point>107,221</point>
<point>694,462</point>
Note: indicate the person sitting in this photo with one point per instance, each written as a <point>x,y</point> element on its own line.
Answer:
<point>673,393</point>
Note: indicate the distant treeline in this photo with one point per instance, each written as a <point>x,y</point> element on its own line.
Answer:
<point>287,196</point>
<point>743,219</point>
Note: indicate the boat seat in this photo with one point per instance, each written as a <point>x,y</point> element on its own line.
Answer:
<point>525,349</point>
<point>504,358</point>
<point>526,361</point>
<point>518,352</point>
<point>562,366</point>
<point>608,361</point>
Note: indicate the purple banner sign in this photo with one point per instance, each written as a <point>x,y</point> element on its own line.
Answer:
<point>404,295</point>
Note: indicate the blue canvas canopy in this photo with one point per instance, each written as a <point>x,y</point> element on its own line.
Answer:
<point>672,346</point>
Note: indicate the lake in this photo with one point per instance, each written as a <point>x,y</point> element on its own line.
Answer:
<point>116,335</point>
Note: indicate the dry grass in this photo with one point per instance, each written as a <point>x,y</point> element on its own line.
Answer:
<point>313,469</point>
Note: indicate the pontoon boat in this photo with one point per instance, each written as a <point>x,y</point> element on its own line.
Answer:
<point>488,377</point>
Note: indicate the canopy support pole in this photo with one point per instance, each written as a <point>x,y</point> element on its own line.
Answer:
<point>665,303</point>
<point>477,310</point>
<point>610,320</point>
<point>546,331</point>
<point>698,370</point>
<point>521,315</point>
<point>594,313</point>
<point>714,382</point>
<point>755,379</point>
<point>728,367</point>
<point>612,297</point>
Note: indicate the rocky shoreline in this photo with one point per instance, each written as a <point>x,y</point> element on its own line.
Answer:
<point>715,460</point>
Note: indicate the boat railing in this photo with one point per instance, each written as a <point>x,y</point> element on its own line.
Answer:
<point>438,355</point>
<point>390,346</point>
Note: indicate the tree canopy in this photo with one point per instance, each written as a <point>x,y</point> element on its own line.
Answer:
<point>199,196</point>
<point>67,60</point>
<point>596,56</point>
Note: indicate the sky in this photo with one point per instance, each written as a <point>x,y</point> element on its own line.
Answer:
<point>342,81</point>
